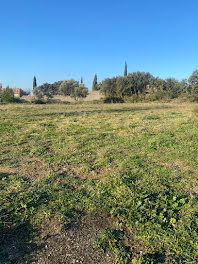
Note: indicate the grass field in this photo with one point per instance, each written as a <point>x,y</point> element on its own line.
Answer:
<point>99,183</point>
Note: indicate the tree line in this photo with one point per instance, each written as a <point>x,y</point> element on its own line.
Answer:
<point>131,86</point>
<point>135,85</point>
<point>70,88</point>
<point>143,84</point>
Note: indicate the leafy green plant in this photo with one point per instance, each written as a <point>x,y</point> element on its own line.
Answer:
<point>7,95</point>
<point>111,240</point>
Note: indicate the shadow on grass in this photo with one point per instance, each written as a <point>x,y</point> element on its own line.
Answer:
<point>16,243</point>
<point>155,258</point>
<point>16,233</point>
<point>89,112</point>
<point>4,175</point>
<point>119,110</point>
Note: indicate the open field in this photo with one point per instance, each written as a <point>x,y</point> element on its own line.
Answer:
<point>99,183</point>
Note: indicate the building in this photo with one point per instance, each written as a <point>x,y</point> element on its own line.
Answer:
<point>16,91</point>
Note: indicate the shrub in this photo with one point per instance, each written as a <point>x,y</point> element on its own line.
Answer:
<point>135,99</point>
<point>7,95</point>
<point>194,98</point>
<point>18,100</point>
<point>114,100</point>
<point>38,101</point>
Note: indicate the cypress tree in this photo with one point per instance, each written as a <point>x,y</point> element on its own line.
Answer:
<point>81,81</point>
<point>34,86</point>
<point>125,69</point>
<point>94,85</point>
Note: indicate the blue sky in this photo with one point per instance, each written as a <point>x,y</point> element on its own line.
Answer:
<point>63,39</point>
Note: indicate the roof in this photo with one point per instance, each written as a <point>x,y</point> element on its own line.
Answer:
<point>16,90</point>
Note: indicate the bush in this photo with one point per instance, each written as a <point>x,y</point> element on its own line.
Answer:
<point>38,101</point>
<point>7,96</point>
<point>113,100</point>
<point>157,96</point>
<point>194,98</point>
<point>19,101</point>
<point>135,98</point>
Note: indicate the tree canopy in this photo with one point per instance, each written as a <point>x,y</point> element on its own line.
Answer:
<point>131,84</point>
<point>70,88</point>
<point>193,82</point>
<point>143,83</point>
<point>7,95</point>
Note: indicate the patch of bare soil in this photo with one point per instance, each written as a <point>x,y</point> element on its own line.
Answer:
<point>5,170</point>
<point>74,245</point>
<point>32,169</point>
<point>77,172</point>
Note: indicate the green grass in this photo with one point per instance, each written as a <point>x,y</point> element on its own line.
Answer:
<point>134,163</point>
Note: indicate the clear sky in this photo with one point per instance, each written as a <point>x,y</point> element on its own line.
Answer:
<point>63,39</point>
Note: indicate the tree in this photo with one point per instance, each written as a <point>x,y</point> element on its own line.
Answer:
<point>34,86</point>
<point>73,89</point>
<point>81,80</point>
<point>140,81</point>
<point>55,87</point>
<point>79,92</point>
<point>94,85</point>
<point>172,88</point>
<point>108,87</point>
<point>125,69</point>
<point>193,79</point>
<point>67,87</point>
<point>7,95</point>
<point>193,82</point>
<point>44,90</point>
<point>48,90</point>
<point>159,84</point>
<point>185,88</point>
<point>132,84</point>
<point>124,86</point>
<point>99,86</point>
